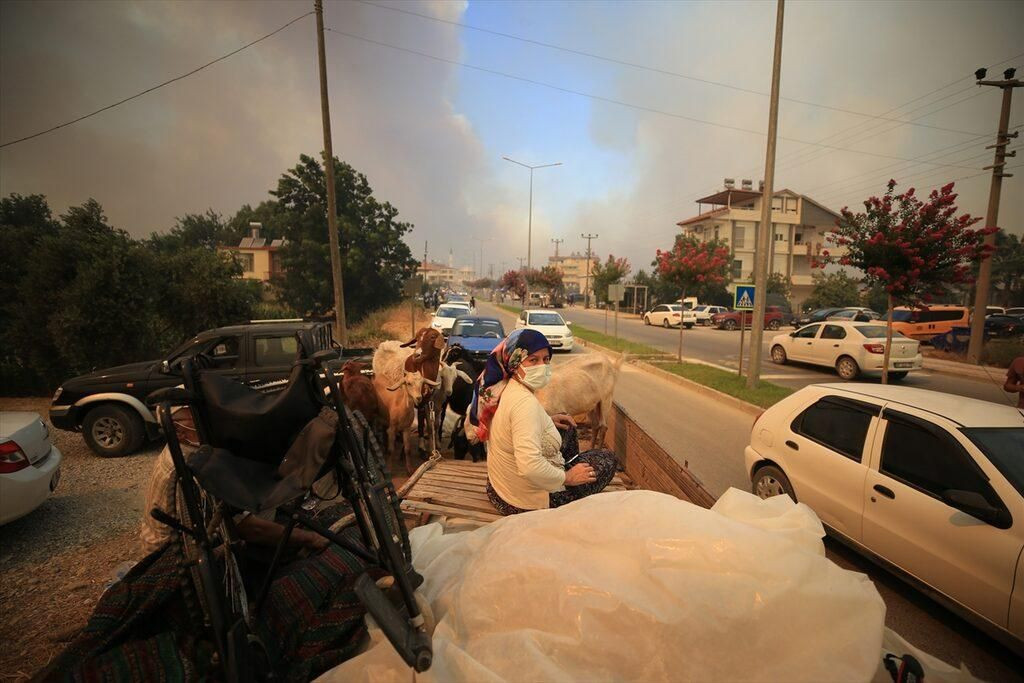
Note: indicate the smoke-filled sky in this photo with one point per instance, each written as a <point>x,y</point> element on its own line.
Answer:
<point>638,145</point>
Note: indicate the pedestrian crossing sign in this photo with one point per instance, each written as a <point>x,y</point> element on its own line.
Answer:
<point>743,298</point>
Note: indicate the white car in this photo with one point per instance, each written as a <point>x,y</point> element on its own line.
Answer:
<point>849,347</point>
<point>703,314</point>
<point>928,484</point>
<point>29,464</point>
<point>670,315</point>
<point>854,314</point>
<point>550,324</point>
<point>445,315</point>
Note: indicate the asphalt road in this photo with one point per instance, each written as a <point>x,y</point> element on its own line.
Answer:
<point>722,348</point>
<point>708,437</point>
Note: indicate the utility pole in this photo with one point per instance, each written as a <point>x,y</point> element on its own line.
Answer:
<point>340,329</point>
<point>556,242</point>
<point>992,214</point>
<point>586,287</point>
<point>529,225</point>
<point>481,240</point>
<point>766,232</point>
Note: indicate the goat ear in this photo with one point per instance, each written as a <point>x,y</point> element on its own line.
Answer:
<point>408,343</point>
<point>439,342</point>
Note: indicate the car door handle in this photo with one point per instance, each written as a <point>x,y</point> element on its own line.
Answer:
<point>885,491</point>
<point>835,346</point>
<point>793,445</point>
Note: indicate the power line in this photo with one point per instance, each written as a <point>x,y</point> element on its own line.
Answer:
<point>155,87</point>
<point>652,69</point>
<point>609,100</point>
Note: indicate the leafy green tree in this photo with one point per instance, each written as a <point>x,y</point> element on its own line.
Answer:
<point>548,278</point>
<point>1008,270</point>
<point>779,284</point>
<point>514,282</point>
<point>603,274</point>
<point>205,230</point>
<point>375,260</point>
<point>875,297</point>
<point>833,290</point>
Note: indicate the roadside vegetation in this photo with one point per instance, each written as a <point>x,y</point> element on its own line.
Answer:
<point>765,394</point>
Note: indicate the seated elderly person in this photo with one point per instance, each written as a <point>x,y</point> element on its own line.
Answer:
<point>533,460</point>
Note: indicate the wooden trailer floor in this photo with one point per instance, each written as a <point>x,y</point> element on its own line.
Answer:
<point>454,493</point>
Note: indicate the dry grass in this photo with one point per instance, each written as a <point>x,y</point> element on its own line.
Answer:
<point>395,322</point>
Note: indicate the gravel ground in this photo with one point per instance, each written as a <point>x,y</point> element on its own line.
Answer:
<point>56,561</point>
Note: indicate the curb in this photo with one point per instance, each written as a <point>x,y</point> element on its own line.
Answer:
<point>732,401</point>
<point>981,372</point>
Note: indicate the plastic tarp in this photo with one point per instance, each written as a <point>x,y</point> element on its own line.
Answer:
<point>639,585</point>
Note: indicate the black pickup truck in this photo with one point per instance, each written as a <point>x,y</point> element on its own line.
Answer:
<point>109,406</point>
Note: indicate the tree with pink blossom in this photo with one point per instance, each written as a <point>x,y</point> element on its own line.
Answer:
<point>915,250</point>
<point>693,264</point>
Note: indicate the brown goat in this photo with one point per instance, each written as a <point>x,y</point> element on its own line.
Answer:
<point>426,358</point>
<point>359,394</point>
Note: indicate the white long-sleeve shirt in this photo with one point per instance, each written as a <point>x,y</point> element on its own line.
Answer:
<point>524,458</point>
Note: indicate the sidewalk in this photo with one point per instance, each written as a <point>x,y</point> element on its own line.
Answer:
<point>950,367</point>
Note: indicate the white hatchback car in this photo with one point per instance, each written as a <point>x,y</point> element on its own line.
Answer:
<point>927,483</point>
<point>29,464</point>
<point>849,347</point>
<point>670,315</point>
<point>445,315</point>
<point>550,324</point>
<point>702,314</point>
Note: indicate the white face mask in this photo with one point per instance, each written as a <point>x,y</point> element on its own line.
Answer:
<point>537,376</point>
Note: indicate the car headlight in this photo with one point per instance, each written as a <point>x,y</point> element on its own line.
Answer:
<point>56,394</point>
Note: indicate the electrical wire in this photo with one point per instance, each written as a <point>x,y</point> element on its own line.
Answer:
<point>609,100</point>
<point>652,69</point>
<point>155,87</point>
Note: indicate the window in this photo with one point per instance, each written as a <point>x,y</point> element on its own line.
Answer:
<point>224,353</point>
<point>928,458</point>
<point>807,332</point>
<point>247,261</point>
<point>737,269</point>
<point>838,423</point>
<point>940,316</point>
<point>659,309</point>
<point>546,319</point>
<point>780,237</point>
<point>833,332</point>
<point>776,203</point>
<point>1002,446</point>
<point>878,332</point>
<point>798,238</point>
<point>716,232</point>
<point>275,350</point>
<point>739,235</point>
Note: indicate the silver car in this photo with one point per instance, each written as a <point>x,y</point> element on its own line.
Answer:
<point>29,464</point>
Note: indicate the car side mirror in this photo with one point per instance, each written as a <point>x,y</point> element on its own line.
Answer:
<point>165,367</point>
<point>792,334</point>
<point>975,505</point>
<point>568,323</point>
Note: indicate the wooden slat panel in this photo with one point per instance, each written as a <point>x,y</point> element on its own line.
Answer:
<point>447,510</point>
<point>478,505</point>
<point>433,491</point>
<point>447,485</point>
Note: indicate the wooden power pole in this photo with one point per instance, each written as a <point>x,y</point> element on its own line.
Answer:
<point>984,282</point>
<point>586,287</point>
<point>340,329</point>
<point>765,233</point>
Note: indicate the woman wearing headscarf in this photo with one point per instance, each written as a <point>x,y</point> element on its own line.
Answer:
<point>533,459</point>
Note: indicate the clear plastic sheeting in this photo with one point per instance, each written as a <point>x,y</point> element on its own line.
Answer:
<point>639,585</point>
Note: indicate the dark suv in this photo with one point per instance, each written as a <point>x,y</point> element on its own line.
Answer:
<point>109,406</point>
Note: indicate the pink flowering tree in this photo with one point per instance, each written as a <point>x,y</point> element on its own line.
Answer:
<point>691,265</point>
<point>915,250</point>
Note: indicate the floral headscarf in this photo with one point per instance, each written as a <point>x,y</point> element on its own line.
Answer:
<point>501,366</point>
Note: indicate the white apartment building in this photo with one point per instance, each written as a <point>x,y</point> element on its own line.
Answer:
<point>574,271</point>
<point>799,225</point>
<point>441,275</point>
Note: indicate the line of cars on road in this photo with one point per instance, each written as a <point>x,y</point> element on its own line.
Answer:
<point>926,484</point>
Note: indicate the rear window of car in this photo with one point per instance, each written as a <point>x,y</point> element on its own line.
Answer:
<point>450,312</point>
<point>878,332</point>
<point>837,423</point>
<point>546,319</point>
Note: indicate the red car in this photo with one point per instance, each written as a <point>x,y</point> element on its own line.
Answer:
<point>773,317</point>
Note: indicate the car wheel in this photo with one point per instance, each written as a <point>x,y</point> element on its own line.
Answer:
<point>769,481</point>
<point>847,368</point>
<point>778,355</point>
<point>729,325</point>
<point>111,430</point>
<point>665,323</point>
<point>647,320</point>
<point>773,324</point>
<point>897,376</point>
<point>688,326</point>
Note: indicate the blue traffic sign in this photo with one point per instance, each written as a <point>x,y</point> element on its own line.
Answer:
<point>743,298</point>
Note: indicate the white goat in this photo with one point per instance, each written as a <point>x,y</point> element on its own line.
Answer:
<point>400,393</point>
<point>584,384</point>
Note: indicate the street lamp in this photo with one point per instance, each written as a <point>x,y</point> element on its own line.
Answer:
<point>529,229</point>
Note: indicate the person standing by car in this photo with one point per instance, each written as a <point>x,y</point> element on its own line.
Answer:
<point>1015,380</point>
<point>533,460</point>
<point>472,302</point>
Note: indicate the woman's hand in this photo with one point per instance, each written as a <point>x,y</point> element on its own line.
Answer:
<point>563,421</point>
<point>580,474</point>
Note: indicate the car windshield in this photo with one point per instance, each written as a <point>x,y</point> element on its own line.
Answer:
<point>546,319</point>
<point>1004,447</point>
<point>902,316</point>
<point>878,332</point>
<point>450,312</point>
<point>478,328</point>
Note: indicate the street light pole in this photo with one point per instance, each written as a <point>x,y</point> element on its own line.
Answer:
<point>983,284</point>
<point>586,286</point>
<point>529,224</point>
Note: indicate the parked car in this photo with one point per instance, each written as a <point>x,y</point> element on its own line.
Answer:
<point>477,336</point>
<point>815,316</point>
<point>997,325</point>
<point>703,314</point>
<point>551,324</point>
<point>994,310</point>
<point>855,314</point>
<point>29,464</point>
<point>109,406</point>
<point>773,317</point>
<point>670,315</point>
<point>927,484</point>
<point>925,323</point>
<point>851,348</point>
<point>1019,310</point>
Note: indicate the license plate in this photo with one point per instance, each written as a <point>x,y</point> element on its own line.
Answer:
<point>903,365</point>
